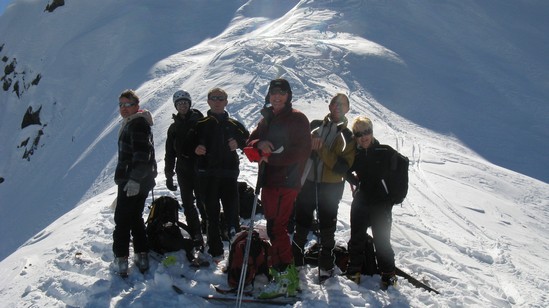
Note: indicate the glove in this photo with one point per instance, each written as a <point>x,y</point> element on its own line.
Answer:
<point>170,185</point>
<point>132,188</point>
<point>252,154</point>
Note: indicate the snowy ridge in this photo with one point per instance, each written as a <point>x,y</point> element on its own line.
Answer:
<point>473,230</point>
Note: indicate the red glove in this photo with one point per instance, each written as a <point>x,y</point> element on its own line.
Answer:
<point>252,154</point>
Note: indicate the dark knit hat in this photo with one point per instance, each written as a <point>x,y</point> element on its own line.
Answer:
<point>282,84</point>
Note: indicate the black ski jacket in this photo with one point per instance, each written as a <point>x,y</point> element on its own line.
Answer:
<point>371,165</point>
<point>214,132</point>
<point>177,154</point>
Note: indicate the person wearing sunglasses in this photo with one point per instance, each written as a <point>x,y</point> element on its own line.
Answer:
<point>371,206</point>
<point>182,159</point>
<point>283,139</point>
<point>135,175</point>
<point>214,140</point>
<point>333,154</point>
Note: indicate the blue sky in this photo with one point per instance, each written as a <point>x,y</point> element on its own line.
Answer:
<point>3,4</point>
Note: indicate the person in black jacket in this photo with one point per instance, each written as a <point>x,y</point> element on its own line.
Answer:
<point>180,158</point>
<point>215,140</point>
<point>134,175</point>
<point>371,206</point>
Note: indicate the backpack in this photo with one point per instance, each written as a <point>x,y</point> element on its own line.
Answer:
<point>246,197</point>
<point>396,180</point>
<point>340,252</point>
<point>164,228</point>
<point>369,265</point>
<point>258,262</point>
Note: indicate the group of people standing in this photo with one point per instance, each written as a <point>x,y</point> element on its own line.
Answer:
<point>304,169</point>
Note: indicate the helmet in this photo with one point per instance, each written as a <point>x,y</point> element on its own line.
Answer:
<point>181,94</point>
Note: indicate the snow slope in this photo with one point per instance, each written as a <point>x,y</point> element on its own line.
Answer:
<point>475,231</point>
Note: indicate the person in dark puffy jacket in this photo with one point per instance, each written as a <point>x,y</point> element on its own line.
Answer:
<point>371,206</point>
<point>134,175</point>
<point>214,140</point>
<point>180,158</point>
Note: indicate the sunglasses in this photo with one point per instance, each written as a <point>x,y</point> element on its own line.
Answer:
<point>278,91</point>
<point>363,133</point>
<point>217,98</point>
<point>126,105</point>
<point>182,101</point>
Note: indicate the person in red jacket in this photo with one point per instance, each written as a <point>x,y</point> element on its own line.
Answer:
<point>287,129</point>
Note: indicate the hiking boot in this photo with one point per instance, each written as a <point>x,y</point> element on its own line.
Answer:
<point>199,259</point>
<point>353,276</point>
<point>387,280</point>
<point>198,241</point>
<point>324,274</point>
<point>217,259</point>
<point>121,264</point>
<point>285,283</point>
<point>141,260</point>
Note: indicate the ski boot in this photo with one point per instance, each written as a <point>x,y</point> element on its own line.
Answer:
<point>121,264</point>
<point>324,274</point>
<point>387,280</point>
<point>141,260</point>
<point>285,283</point>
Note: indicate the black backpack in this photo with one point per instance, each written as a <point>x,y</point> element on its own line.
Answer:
<point>340,252</point>
<point>257,259</point>
<point>164,228</point>
<point>396,179</point>
<point>369,265</point>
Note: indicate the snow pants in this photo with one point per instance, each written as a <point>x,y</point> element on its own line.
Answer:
<point>328,196</point>
<point>188,186</point>
<point>278,206</point>
<point>379,217</point>
<point>212,190</point>
<point>128,220</point>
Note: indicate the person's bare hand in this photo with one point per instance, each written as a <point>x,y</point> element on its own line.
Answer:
<point>200,150</point>
<point>233,145</point>
<point>266,147</point>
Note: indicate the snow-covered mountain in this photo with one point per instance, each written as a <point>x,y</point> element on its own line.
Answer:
<point>457,87</point>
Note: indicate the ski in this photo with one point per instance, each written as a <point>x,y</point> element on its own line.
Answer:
<point>279,301</point>
<point>228,291</point>
<point>416,283</point>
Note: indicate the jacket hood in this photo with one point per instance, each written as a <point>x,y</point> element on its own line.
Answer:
<point>140,114</point>
<point>145,114</point>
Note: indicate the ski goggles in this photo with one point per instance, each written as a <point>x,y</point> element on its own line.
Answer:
<point>363,133</point>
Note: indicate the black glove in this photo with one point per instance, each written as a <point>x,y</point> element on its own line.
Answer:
<point>169,183</point>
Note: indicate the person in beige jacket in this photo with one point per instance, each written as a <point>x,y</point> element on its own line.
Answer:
<point>333,154</point>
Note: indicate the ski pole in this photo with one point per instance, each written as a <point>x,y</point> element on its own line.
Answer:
<point>242,279</point>
<point>318,238</point>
